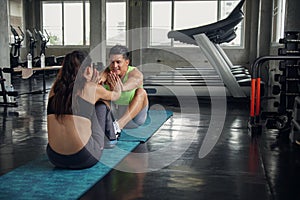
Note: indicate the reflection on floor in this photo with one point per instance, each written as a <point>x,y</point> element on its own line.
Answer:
<point>173,164</point>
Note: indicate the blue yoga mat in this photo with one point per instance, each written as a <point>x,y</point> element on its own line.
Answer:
<point>40,180</point>
<point>154,121</point>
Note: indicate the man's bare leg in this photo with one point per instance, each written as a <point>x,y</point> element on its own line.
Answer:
<point>139,102</point>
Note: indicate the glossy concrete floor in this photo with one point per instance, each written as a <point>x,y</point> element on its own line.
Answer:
<point>178,162</point>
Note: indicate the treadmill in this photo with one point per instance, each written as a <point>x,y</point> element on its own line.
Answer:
<point>219,79</point>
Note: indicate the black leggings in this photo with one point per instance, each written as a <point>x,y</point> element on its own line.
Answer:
<point>105,120</point>
<point>80,160</point>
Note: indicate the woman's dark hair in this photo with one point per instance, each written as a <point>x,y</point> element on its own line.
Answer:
<point>69,80</point>
<point>119,49</point>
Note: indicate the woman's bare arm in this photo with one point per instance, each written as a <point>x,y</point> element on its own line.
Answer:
<point>104,94</point>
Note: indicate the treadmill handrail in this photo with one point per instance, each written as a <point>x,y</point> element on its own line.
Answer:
<point>219,64</point>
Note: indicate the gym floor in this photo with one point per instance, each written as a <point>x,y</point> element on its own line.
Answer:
<point>239,166</point>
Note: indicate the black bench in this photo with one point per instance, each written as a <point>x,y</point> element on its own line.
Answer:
<point>5,94</point>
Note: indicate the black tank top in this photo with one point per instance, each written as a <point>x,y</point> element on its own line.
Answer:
<point>84,108</point>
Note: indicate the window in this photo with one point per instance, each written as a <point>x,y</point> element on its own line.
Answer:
<point>71,34</point>
<point>16,17</point>
<point>87,23</point>
<point>187,14</point>
<point>160,25</point>
<point>116,23</point>
<point>59,18</point>
<point>225,9</point>
<point>278,20</point>
<point>52,22</point>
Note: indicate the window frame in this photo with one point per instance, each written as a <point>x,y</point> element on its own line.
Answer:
<point>278,21</point>
<point>22,24</point>
<point>84,34</point>
<point>125,24</point>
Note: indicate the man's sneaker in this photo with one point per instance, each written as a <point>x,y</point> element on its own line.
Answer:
<point>117,129</point>
<point>118,135</point>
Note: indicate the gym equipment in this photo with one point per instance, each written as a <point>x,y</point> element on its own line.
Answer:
<point>44,39</point>
<point>32,43</point>
<point>286,86</point>
<point>27,73</point>
<point>295,127</point>
<point>254,123</point>
<point>8,96</point>
<point>15,59</point>
<point>200,79</point>
<point>289,78</point>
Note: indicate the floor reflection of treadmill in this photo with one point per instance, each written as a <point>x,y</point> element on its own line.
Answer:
<point>205,81</point>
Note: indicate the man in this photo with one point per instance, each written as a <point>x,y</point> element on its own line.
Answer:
<point>132,106</point>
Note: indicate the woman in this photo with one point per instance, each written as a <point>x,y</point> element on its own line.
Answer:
<point>76,136</point>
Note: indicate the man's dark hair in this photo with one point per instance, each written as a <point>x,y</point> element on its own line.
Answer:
<point>119,49</point>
